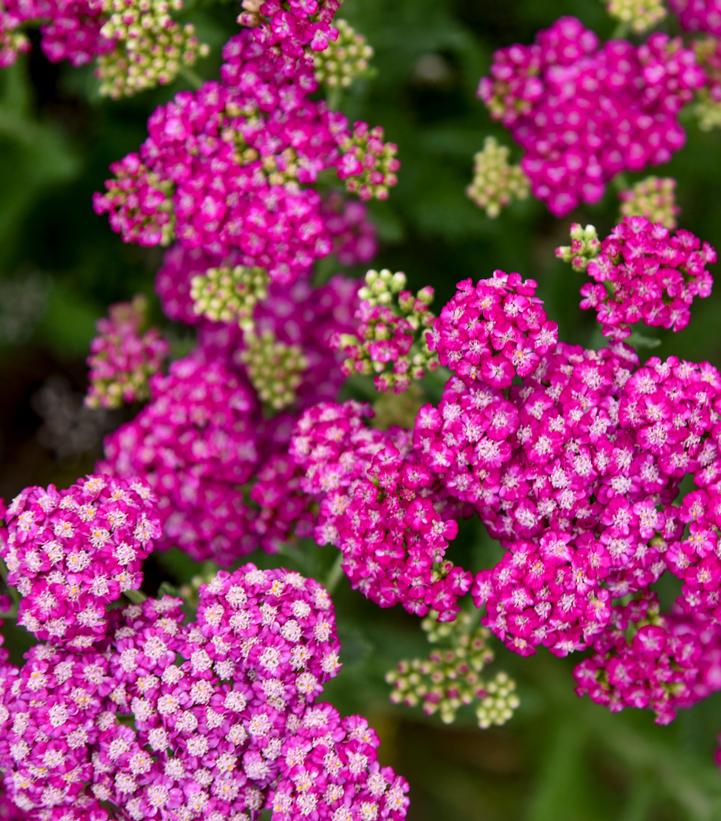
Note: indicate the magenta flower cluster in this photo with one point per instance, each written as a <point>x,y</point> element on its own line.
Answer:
<point>123,356</point>
<point>213,718</point>
<point>698,15</point>
<point>645,273</point>
<point>73,552</point>
<point>381,508</point>
<point>69,29</point>
<point>493,331</point>
<point>584,112</point>
<point>229,168</point>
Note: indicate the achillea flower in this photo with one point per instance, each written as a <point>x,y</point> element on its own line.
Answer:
<point>644,273</point>
<point>149,47</point>
<point>73,552</point>
<point>200,719</point>
<point>369,165</point>
<point>330,770</point>
<point>354,236</point>
<point>275,369</point>
<point>494,330</point>
<point>344,59</point>
<point>698,15</point>
<point>652,661</point>
<point>381,509</point>
<point>124,356</point>
<point>248,193</point>
<point>708,99</point>
<point>229,294</point>
<point>653,198</point>
<point>584,112</point>
<point>195,445</point>
<point>390,341</point>
<point>585,246</point>
<point>295,27</point>
<point>544,594</point>
<point>639,15</point>
<point>496,182</point>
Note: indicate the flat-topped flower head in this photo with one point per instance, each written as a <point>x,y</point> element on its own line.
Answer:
<point>493,331</point>
<point>653,198</point>
<point>645,273</point>
<point>71,553</point>
<point>390,343</point>
<point>330,770</point>
<point>496,182</point>
<point>584,112</point>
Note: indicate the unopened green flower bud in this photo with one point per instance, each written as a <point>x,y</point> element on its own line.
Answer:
<point>653,198</point>
<point>344,59</point>
<point>229,294</point>
<point>585,246</point>
<point>639,15</point>
<point>274,368</point>
<point>496,182</point>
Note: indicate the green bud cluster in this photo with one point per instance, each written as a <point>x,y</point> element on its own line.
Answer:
<point>274,368</point>
<point>344,60</point>
<point>707,106</point>
<point>496,181</point>
<point>653,198</point>
<point>151,47</point>
<point>585,246</point>
<point>450,678</point>
<point>638,15</point>
<point>390,344</point>
<point>229,294</point>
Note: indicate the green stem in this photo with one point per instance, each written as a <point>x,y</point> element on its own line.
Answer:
<point>135,596</point>
<point>334,98</point>
<point>194,79</point>
<point>335,574</point>
<point>9,615</point>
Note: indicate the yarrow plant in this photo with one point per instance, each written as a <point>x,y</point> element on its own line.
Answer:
<point>496,182</point>
<point>583,111</point>
<point>597,473</point>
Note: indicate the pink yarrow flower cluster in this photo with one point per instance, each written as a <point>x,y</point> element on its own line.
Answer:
<point>210,718</point>
<point>123,356</point>
<point>195,444</point>
<point>645,273</point>
<point>71,553</point>
<point>584,112</point>
<point>235,162</point>
<point>69,29</point>
<point>698,15</point>
<point>382,509</point>
<point>493,331</point>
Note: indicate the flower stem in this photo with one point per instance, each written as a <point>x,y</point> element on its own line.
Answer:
<point>335,574</point>
<point>135,596</point>
<point>195,80</point>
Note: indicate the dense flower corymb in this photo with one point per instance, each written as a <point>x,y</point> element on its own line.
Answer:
<point>207,719</point>
<point>583,112</point>
<point>494,330</point>
<point>70,553</point>
<point>644,273</point>
<point>123,356</point>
